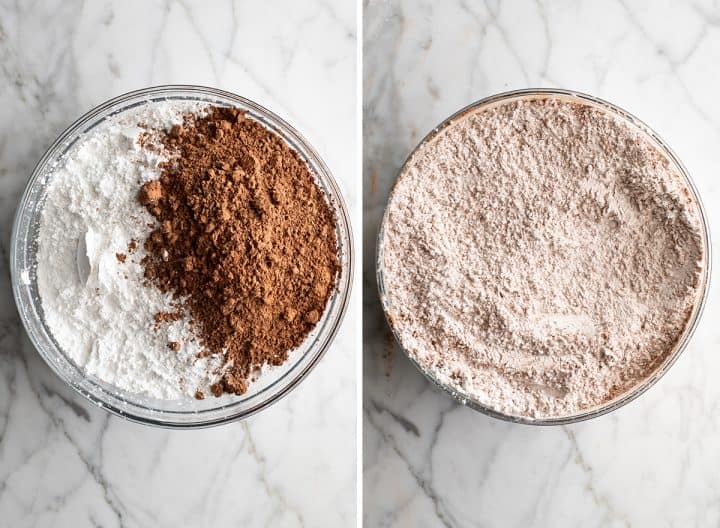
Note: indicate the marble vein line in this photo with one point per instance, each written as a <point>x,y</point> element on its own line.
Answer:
<point>76,408</point>
<point>406,424</point>
<point>600,499</point>
<point>494,21</point>
<point>271,491</point>
<point>442,512</point>
<point>201,36</point>
<point>157,39</point>
<point>93,470</point>
<point>672,66</point>
<point>548,37</point>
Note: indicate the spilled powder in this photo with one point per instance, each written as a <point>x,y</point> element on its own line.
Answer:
<point>541,257</point>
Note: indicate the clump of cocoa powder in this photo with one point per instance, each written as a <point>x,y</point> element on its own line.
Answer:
<point>246,240</point>
<point>167,317</point>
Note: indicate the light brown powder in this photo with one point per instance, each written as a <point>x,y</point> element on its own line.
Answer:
<point>541,257</point>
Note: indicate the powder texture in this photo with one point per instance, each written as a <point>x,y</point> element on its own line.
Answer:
<point>245,239</point>
<point>181,248</point>
<point>90,279</point>
<point>541,257</point>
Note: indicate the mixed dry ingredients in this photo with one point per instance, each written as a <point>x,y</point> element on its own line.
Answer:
<point>541,256</point>
<point>181,248</point>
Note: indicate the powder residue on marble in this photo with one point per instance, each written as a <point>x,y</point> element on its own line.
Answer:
<point>94,296</point>
<point>541,257</point>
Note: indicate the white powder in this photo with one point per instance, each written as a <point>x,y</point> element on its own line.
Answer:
<point>97,308</point>
<point>541,257</point>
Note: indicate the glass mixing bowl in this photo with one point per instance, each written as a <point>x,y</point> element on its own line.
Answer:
<point>693,320</point>
<point>275,382</point>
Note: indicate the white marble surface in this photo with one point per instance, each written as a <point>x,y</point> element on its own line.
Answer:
<point>430,462</point>
<point>64,462</point>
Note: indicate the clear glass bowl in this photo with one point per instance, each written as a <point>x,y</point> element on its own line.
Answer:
<point>568,95</point>
<point>275,382</point>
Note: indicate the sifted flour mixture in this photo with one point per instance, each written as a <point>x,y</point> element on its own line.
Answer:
<point>91,282</point>
<point>541,257</point>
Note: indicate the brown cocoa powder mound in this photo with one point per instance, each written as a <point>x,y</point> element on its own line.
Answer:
<point>245,236</point>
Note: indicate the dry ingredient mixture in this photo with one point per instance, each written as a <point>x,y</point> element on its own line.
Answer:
<point>541,257</point>
<point>181,248</point>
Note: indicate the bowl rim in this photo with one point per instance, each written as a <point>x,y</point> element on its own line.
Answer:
<point>690,325</point>
<point>334,197</point>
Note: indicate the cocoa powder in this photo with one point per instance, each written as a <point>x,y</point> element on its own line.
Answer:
<point>246,240</point>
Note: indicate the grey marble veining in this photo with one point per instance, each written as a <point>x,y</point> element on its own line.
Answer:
<point>64,462</point>
<point>430,462</point>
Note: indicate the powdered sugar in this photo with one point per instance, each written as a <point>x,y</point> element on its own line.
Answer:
<point>98,308</point>
<point>541,257</point>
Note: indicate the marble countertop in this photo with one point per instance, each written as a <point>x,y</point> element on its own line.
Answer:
<point>64,462</point>
<point>430,462</point>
